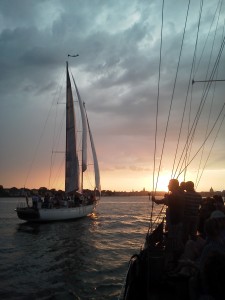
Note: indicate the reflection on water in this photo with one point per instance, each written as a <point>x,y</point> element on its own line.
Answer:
<point>29,228</point>
<point>82,259</point>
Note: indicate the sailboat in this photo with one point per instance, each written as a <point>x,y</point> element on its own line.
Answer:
<point>75,203</point>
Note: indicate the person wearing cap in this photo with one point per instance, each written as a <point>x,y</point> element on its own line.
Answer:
<point>193,201</point>
<point>175,203</point>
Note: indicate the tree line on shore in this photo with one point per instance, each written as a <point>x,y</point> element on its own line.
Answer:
<point>42,191</point>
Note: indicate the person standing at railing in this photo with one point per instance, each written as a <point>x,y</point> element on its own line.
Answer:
<point>193,201</point>
<point>175,203</point>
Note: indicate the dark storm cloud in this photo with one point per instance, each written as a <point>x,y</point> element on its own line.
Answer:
<point>117,69</point>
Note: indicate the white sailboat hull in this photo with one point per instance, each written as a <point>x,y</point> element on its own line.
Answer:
<point>54,214</point>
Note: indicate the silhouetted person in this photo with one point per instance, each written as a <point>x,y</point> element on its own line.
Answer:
<point>175,202</point>
<point>183,186</point>
<point>193,200</point>
<point>205,211</point>
<point>218,202</point>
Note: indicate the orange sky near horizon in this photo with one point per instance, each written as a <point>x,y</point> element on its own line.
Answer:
<point>122,181</point>
<point>117,74</point>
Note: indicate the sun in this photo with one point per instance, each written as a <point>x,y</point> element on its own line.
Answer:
<point>147,182</point>
<point>163,180</point>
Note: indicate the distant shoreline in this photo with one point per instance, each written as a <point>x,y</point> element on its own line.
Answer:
<point>42,191</point>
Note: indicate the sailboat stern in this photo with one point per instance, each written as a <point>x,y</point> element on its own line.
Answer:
<point>28,213</point>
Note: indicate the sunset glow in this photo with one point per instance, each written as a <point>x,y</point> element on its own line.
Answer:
<point>117,73</point>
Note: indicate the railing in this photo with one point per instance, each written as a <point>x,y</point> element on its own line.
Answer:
<point>21,205</point>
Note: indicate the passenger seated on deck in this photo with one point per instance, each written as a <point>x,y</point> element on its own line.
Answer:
<point>175,202</point>
<point>35,201</point>
<point>91,199</point>
<point>46,201</point>
<point>193,200</point>
<point>218,203</point>
<point>213,277</point>
<point>196,252</point>
<point>215,243</point>
<point>205,211</point>
<point>76,200</point>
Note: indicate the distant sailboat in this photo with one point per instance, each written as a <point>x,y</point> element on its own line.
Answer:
<point>75,203</point>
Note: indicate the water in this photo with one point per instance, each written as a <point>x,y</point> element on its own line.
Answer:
<point>82,259</point>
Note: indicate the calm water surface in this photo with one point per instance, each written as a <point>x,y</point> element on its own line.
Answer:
<point>81,259</point>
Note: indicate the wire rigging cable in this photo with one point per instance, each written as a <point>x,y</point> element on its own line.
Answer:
<point>172,96</point>
<point>212,100</point>
<point>189,84</point>
<point>191,132</point>
<point>157,113</point>
<point>182,120</point>
<point>219,4</point>
<point>157,102</point>
<point>39,142</point>
<point>195,122</point>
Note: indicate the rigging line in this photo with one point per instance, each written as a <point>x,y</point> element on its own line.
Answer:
<point>157,111</point>
<point>56,114</point>
<point>192,68</point>
<point>181,48</point>
<point>213,80</point>
<point>59,92</point>
<point>208,86</point>
<point>211,149</point>
<point>158,215</point>
<point>168,119</point>
<point>193,128</point>
<point>205,138</point>
<point>188,129</point>
<point>56,140</point>
<point>203,49</point>
<point>212,48</point>
<point>57,176</point>
<point>199,176</point>
<point>189,137</point>
<point>187,151</point>
<point>157,106</point>
<point>189,83</point>
<point>210,58</point>
<point>207,127</point>
<point>53,142</point>
<point>38,143</point>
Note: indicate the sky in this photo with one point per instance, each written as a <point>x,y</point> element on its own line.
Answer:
<point>126,89</point>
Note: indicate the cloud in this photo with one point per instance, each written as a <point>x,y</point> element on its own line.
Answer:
<point>117,73</point>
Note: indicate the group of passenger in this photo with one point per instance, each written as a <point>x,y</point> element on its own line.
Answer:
<point>59,201</point>
<point>182,212</point>
<point>196,239</point>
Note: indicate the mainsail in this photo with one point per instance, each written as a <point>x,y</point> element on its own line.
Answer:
<point>72,164</point>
